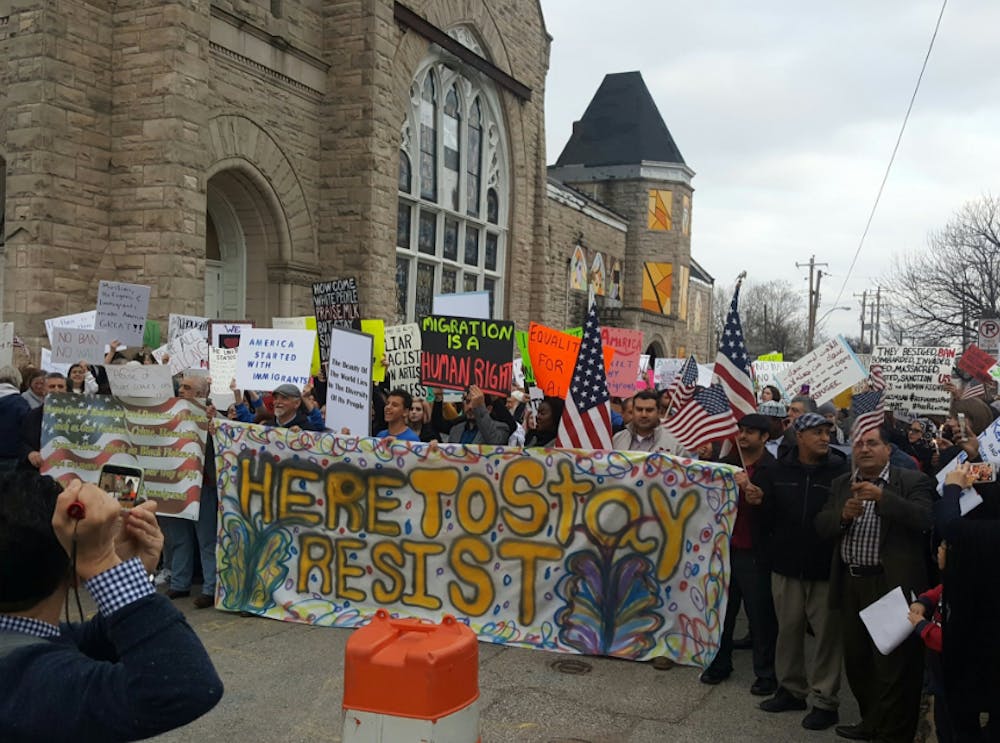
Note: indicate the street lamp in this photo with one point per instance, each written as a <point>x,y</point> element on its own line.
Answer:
<point>827,313</point>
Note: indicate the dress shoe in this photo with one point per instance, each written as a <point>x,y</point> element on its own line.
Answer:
<point>820,719</point>
<point>763,687</point>
<point>783,701</point>
<point>203,601</point>
<point>853,732</point>
<point>743,643</point>
<point>713,676</point>
<point>175,594</point>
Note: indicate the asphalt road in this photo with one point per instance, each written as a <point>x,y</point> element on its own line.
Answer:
<point>284,682</point>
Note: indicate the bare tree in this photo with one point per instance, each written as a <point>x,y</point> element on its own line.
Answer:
<point>942,291</point>
<point>773,317</point>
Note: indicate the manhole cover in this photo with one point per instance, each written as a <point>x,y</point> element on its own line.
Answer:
<point>574,668</point>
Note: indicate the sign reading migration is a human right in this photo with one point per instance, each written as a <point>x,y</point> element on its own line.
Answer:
<point>457,352</point>
<point>623,554</point>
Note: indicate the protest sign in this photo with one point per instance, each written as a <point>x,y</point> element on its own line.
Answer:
<point>7,343</point>
<point>518,373</point>
<point>336,305</point>
<point>70,345</point>
<point>624,369</point>
<point>977,363</point>
<point>767,372</point>
<point>271,357</point>
<point>553,358</point>
<point>222,369</point>
<point>82,433</point>
<point>664,371</point>
<point>463,304</point>
<point>177,325</point>
<point>459,351</point>
<point>49,365</point>
<point>706,374</point>
<point>521,338</point>
<point>227,333</point>
<point>187,351</point>
<point>826,370</point>
<point>402,350</point>
<point>376,329</point>
<point>307,322</point>
<point>81,320</point>
<point>348,382</point>
<point>599,553</point>
<point>122,310</point>
<point>773,357</point>
<point>138,380</point>
<point>913,377</point>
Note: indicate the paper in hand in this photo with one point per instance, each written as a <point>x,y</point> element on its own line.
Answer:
<point>887,622</point>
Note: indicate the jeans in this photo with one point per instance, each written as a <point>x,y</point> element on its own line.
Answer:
<point>184,536</point>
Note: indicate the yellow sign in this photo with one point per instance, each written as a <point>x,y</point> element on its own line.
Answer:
<point>771,357</point>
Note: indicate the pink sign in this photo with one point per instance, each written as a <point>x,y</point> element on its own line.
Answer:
<point>624,368</point>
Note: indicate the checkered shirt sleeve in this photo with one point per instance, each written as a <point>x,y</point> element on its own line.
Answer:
<point>28,626</point>
<point>119,586</point>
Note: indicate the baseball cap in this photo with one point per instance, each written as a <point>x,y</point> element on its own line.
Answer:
<point>755,422</point>
<point>810,420</point>
<point>287,390</point>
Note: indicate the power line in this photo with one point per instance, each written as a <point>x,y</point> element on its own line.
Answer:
<point>895,149</point>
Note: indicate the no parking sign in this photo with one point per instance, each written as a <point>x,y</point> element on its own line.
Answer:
<point>989,335</point>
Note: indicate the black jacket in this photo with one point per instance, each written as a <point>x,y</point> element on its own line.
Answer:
<point>793,495</point>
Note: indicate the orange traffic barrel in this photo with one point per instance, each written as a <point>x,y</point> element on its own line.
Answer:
<point>407,680</point>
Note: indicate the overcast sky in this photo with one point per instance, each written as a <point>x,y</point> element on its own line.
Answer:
<point>788,112</point>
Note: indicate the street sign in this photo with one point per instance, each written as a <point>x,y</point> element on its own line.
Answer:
<point>989,335</point>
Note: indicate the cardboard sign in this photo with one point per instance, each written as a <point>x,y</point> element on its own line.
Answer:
<point>178,325</point>
<point>222,369</point>
<point>336,305</point>
<point>376,329</point>
<point>270,357</point>
<point>553,358</point>
<point>122,310</point>
<point>624,369</point>
<point>348,382</point>
<point>913,377</point>
<point>82,320</point>
<point>402,349</point>
<point>137,380</point>
<point>307,322</point>
<point>227,333</point>
<point>70,345</point>
<point>977,363</point>
<point>463,304</point>
<point>7,343</point>
<point>521,338</point>
<point>826,370</point>
<point>664,371</point>
<point>49,365</point>
<point>459,351</point>
<point>766,373</point>
<point>186,351</point>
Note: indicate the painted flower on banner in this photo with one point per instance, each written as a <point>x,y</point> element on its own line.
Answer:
<point>253,560</point>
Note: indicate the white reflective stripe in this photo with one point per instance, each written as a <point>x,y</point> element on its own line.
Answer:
<point>369,727</point>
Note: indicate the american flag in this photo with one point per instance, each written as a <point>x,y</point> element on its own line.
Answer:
<point>683,386</point>
<point>732,363</point>
<point>876,379</point>
<point>973,389</point>
<point>869,414</point>
<point>586,419</point>
<point>706,417</point>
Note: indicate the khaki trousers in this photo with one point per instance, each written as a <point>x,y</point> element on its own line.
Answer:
<point>796,602</point>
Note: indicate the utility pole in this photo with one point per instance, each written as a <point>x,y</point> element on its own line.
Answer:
<point>878,315</point>
<point>813,297</point>
<point>864,304</point>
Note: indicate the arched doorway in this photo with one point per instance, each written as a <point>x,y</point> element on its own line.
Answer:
<point>244,228</point>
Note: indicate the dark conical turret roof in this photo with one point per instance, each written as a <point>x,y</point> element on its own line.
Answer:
<point>621,126</point>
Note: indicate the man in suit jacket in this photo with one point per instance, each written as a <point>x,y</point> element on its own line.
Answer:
<point>881,516</point>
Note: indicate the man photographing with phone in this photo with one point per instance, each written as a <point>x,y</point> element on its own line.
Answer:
<point>133,671</point>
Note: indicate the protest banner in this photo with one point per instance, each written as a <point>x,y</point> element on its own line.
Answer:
<point>553,358</point>
<point>624,369</point>
<point>620,554</point>
<point>913,377</point>
<point>767,372</point>
<point>307,322</point>
<point>402,350</point>
<point>336,305</point>
<point>81,320</point>
<point>178,325</point>
<point>70,345</point>
<point>348,382</point>
<point>459,351</point>
<point>227,333</point>
<point>7,343</point>
<point>977,363</point>
<point>166,440</point>
<point>269,357</point>
<point>122,310</point>
<point>138,380</point>
<point>826,370</point>
<point>187,351</point>
<point>463,304</point>
<point>222,369</point>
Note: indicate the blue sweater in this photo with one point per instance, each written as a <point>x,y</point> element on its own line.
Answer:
<point>139,673</point>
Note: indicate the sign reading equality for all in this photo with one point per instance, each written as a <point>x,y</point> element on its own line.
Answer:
<point>122,310</point>
<point>269,357</point>
<point>914,377</point>
<point>545,549</point>
<point>336,305</point>
<point>825,371</point>
<point>458,352</point>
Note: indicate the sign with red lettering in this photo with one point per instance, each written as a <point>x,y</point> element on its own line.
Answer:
<point>914,376</point>
<point>553,357</point>
<point>457,352</point>
<point>977,363</point>
<point>624,369</point>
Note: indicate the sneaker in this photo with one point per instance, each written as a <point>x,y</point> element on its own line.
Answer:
<point>763,687</point>
<point>204,601</point>
<point>820,719</point>
<point>175,594</point>
<point>783,701</point>
<point>713,676</point>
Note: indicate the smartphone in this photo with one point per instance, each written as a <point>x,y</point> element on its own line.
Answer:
<point>983,472</point>
<point>122,482</point>
<point>960,435</point>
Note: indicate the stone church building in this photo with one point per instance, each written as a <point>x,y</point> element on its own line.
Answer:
<point>229,153</point>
